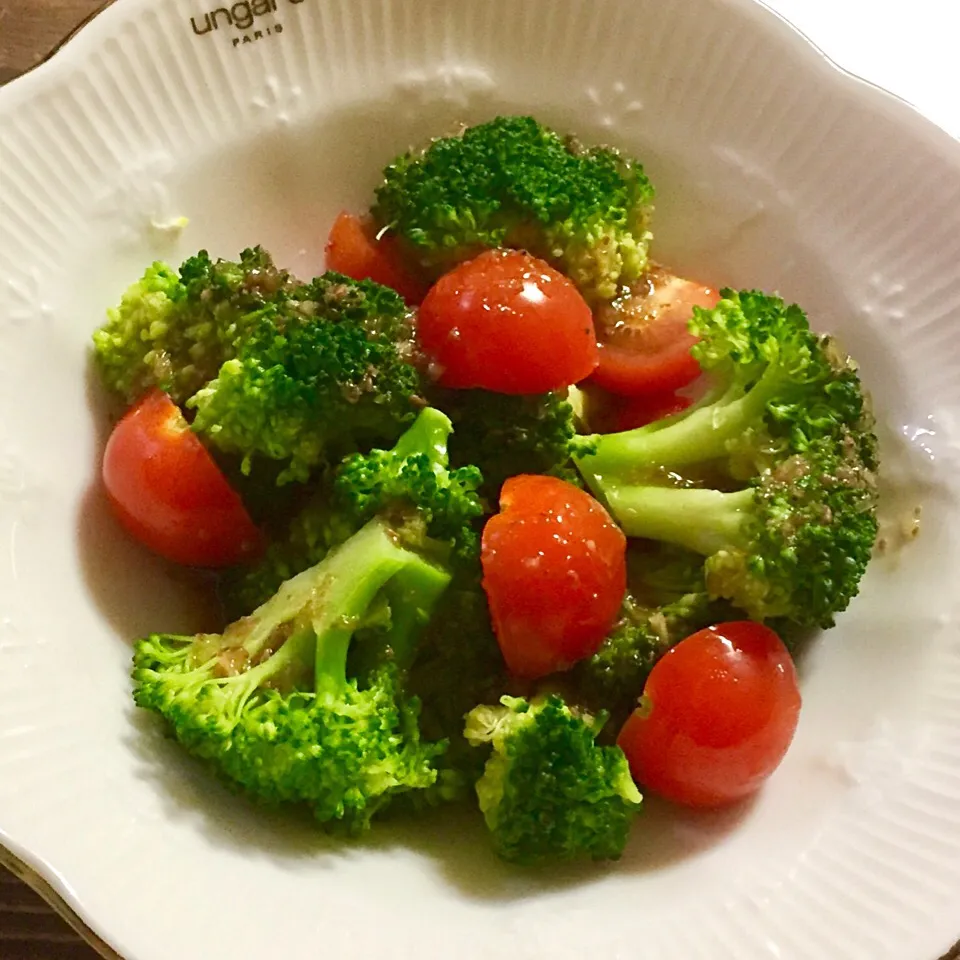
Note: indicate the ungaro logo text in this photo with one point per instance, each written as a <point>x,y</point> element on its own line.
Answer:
<point>249,19</point>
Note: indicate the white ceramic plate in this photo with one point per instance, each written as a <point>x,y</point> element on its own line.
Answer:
<point>774,170</point>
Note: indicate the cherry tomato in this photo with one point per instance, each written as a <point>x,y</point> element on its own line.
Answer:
<point>169,494</point>
<point>639,411</point>
<point>353,250</point>
<point>554,571</point>
<point>721,710</point>
<point>507,322</point>
<point>644,340</point>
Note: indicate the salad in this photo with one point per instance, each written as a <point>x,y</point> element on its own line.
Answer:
<point>500,510</point>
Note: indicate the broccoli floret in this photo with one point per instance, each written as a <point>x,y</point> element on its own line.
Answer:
<point>549,792</point>
<point>309,535</point>
<point>174,330</point>
<point>458,665</point>
<point>514,183</point>
<point>416,472</point>
<point>437,506</point>
<point>789,437</point>
<point>326,369</point>
<point>666,601</point>
<point>269,702</point>
<point>614,676</point>
<point>507,435</point>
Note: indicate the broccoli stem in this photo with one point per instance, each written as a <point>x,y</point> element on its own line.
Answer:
<point>701,520</point>
<point>355,573</point>
<point>697,437</point>
<point>412,594</point>
<point>428,435</point>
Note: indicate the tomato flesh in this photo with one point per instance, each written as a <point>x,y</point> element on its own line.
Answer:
<point>644,341</point>
<point>354,250</point>
<point>507,322</point>
<point>554,571</point>
<point>721,710</point>
<point>168,493</point>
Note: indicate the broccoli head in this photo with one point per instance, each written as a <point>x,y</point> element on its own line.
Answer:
<point>666,601</point>
<point>614,676</point>
<point>324,370</point>
<point>415,472</point>
<point>788,527</point>
<point>549,791</point>
<point>312,531</point>
<point>435,508</point>
<point>458,665</point>
<point>174,330</point>
<point>269,702</point>
<point>506,435</point>
<point>513,183</point>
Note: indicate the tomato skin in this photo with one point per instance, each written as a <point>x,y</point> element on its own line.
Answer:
<point>636,412</point>
<point>507,322</point>
<point>353,250</point>
<point>168,493</point>
<point>644,340</point>
<point>722,709</point>
<point>554,571</point>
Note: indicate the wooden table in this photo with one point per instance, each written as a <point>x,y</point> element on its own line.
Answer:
<point>31,29</point>
<point>29,929</point>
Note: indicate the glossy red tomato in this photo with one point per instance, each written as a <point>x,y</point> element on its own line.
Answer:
<point>644,340</point>
<point>354,250</point>
<point>169,494</point>
<point>555,572</point>
<point>721,710</point>
<point>507,322</point>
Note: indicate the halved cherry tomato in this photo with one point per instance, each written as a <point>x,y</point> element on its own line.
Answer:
<point>507,322</point>
<point>554,571</point>
<point>169,494</point>
<point>721,710</point>
<point>354,250</point>
<point>644,340</point>
<point>639,411</point>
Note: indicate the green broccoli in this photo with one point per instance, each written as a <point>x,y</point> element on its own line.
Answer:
<point>411,480</point>
<point>666,601</point>
<point>513,183</point>
<point>174,330</point>
<point>549,792</point>
<point>507,435</point>
<point>789,527</point>
<point>416,472</point>
<point>304,540</point>
<point>458,665</point>
<point>269,703</point>
<point>614,676</point>
<point>325,369</point>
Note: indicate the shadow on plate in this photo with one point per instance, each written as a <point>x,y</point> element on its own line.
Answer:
<point>454,838</point>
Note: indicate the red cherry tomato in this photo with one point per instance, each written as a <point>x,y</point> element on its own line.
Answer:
<point>722,708</point>
<point>555,572</point>
<point>507,322</point>
<point>353,250</point>
<point>169,494</point>
<point>644,340</point>
<point>639,411</point>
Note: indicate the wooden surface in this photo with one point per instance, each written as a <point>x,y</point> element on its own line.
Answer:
<point>29,929</point>
<point>30,29</point>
